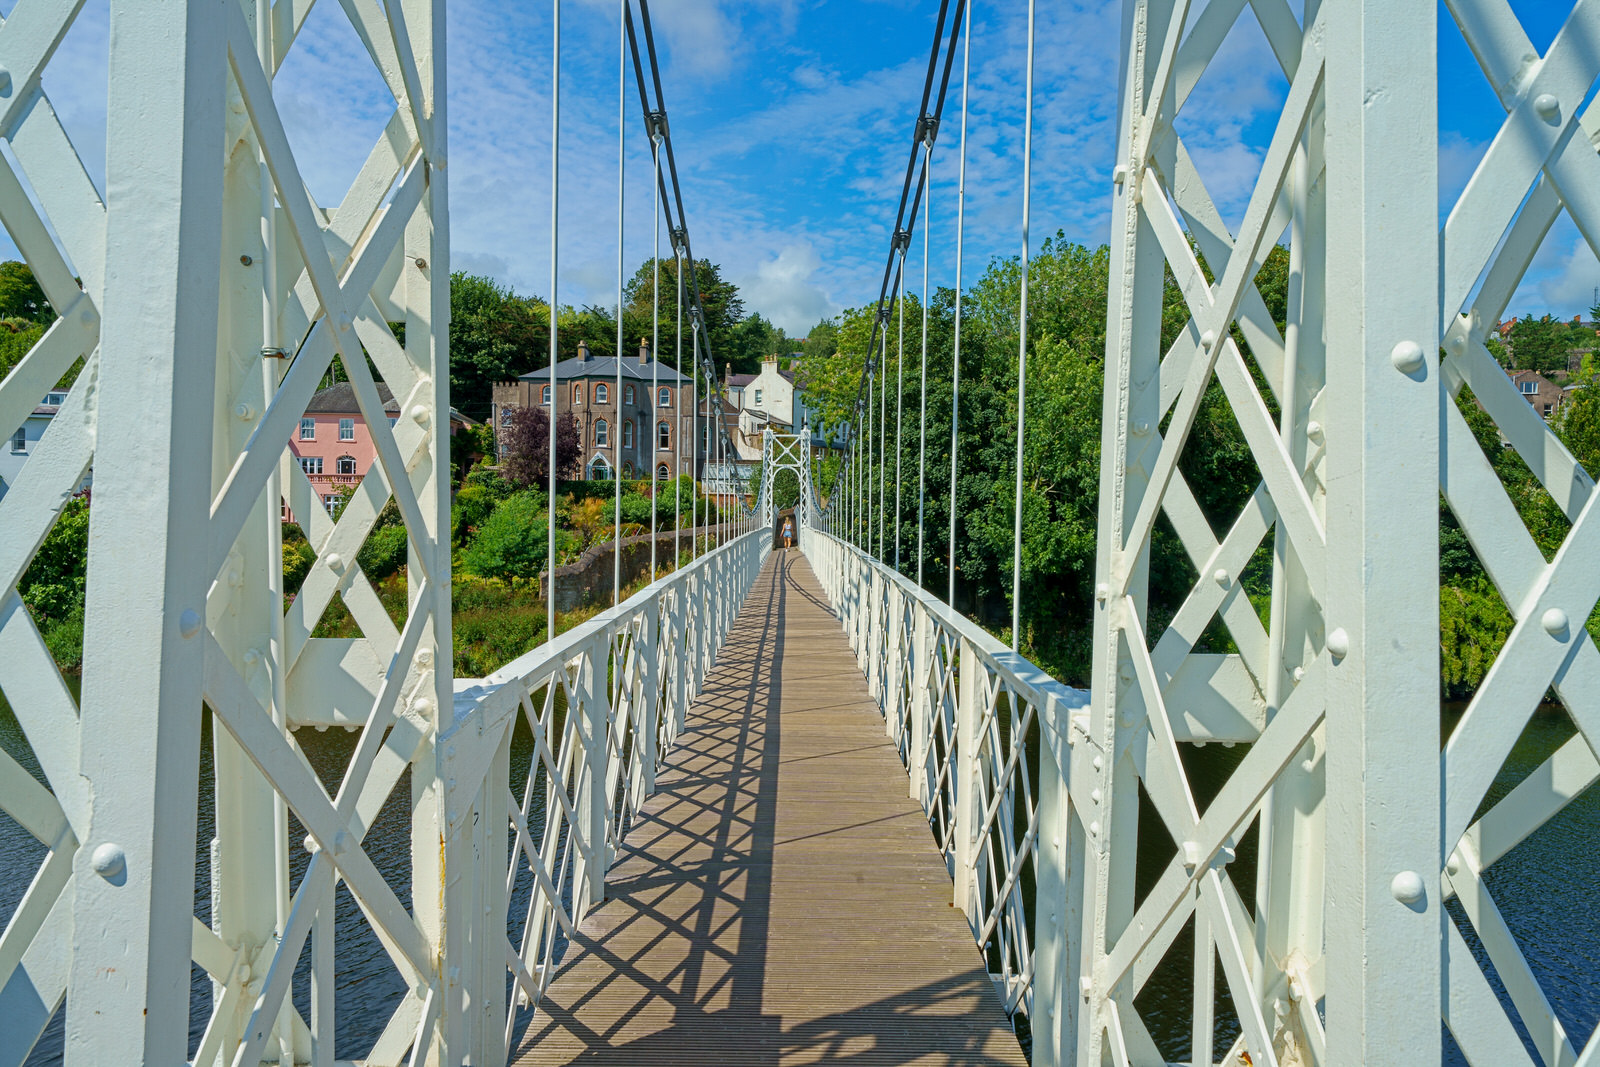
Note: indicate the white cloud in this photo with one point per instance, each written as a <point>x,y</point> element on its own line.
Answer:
<point>784,290</point>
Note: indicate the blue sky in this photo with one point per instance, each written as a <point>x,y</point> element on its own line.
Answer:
<point>791,122</point>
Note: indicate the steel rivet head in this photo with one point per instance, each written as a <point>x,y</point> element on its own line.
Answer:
<point>244,972</point>
<point>1454,866</point>
<point>310,843</point>
<point>342,322</point>
<point>1456,344</point>
<point>335,563</point>
<point>1208,339</point>
<point>1094,829</point>
<point>5,82</point>
<point>243,412</point>
<point>1086,986</point>
<point>1220,576</point>
<point>1097,762</point>
<point>419,415</point>
<point>245,261</point>
<point>1339,643</point>
<point>1407,887</point>
<point>1314,430</point>
<point>1548,107</point>
<point>1407,357</point>
<point>109,861</point>
<point>1094,795</point>
<point>1141,428</point>
<point>189,622</point>
<point>1554,622</point>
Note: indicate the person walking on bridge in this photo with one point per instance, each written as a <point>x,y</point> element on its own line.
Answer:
<point>788,533</point>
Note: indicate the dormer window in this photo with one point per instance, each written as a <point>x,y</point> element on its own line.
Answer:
<point>1529,387</point>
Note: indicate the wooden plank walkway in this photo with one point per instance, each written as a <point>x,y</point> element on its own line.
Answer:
<point>780,900</point>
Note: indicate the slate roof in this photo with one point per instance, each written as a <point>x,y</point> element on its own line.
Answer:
<point>340,399</point>
<point>605,367</point>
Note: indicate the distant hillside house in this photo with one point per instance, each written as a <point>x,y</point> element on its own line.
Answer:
<point>23,440</point>
<point>640,431</point>
<point>1545,396</point>
<point>333,444</point>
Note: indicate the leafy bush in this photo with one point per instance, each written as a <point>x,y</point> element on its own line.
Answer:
<point>1473,626</point>
<point>297,560</point>
<point>384,552</point>
<point>472,505</point>
<point>64,639</point>
<point>513,541</point>
<point>53,585</point>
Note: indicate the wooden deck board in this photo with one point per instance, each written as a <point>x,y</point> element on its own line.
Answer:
<point>780,900</point>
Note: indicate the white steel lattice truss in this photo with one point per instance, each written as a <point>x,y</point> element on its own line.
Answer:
<point>226,292</point>
<point>780,452</point>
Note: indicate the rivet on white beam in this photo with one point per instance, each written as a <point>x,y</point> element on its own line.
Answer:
<point>109,861</point>
<point>1548,107</point>
<point>189,622</point>
<point>1554,622</point>
<point>1407,357</point>
<point>1407,887</point>
<point>1339,643</point>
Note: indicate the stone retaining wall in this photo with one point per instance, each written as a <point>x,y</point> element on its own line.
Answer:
<point>587,582</point>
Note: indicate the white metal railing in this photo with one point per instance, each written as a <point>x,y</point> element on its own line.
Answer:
<point>981,731</point>
<point>603,703</point>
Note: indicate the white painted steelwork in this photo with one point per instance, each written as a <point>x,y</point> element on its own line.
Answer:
<point>226,293</point>
<point>785,452</point>
<point>968,716</point>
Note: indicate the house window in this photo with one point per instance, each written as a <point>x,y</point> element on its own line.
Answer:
<point>55,398</point>
<point>627,394</point>
<point>392,420</point>
<point>577,392</point>
<point>662,473</point>
<point>505,416</point>
<point>1547,411</point>
<point>308,429</point>
<point>330,502</point>
<point>311,464</point>
<point>347,429</point>
<point>758,396</point>
<point>602,395</point>
<point>544,397</point>
<point>627,433</point>
<point>664,398</point>
<point>19,440</point>
<point>1529,387</point>
<point>602,436</point>
<point>345,465</point>
<point>664,436</point>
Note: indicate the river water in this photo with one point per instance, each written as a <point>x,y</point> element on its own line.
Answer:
<point>1545,887</point>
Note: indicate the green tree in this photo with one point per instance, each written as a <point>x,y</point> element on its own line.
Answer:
<point>513,542</point>
<point>1540,344</point>
<point>724,307</point>
<point>495,335</point>
<point>823,340</point>
<point>21,296</point>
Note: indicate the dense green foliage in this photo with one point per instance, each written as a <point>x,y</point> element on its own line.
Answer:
<point>53,585</point>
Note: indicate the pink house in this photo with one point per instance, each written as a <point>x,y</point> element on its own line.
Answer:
<point>334,445</point>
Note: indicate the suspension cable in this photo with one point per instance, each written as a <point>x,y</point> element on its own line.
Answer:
<point>922,413</point>
<point>899,403</point>
<point>555,230</point>
<point>1022,345</point>
<point>676,434</point>
<point>955,361</point>
<point>622,156</point>
<point>639,440</point>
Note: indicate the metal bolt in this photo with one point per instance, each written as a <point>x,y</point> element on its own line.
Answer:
<point>1141,428</point>
<point>1314,430</point>
<point>421,263</point>
<point>1208,339</point>
<point>335,563</point>
<point>1548,107</point>
<point>1094,829</point>
<point>1096,762</point>
<point>86,316</point>
<point>109,861</point>
<point>310,843</point>
<point>1220,576</point>
<point>1407,887</point>
<point>1339,643</point>
<point>1407,357</point>
<point>189,622</point>
<point>1554,622</point>
<point>1094,795</point>
<point>419,414</point>
<point>244,412</point>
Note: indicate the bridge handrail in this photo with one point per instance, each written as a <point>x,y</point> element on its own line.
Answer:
<point>602,702</point>
<point>962,708</point>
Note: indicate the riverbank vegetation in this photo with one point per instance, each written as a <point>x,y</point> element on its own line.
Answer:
<point>1061,462</point>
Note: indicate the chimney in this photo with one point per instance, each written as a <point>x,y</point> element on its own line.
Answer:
<point>727,373</point>
<point>770,357</point>
<point>644,351</point>
<point>583,351</point>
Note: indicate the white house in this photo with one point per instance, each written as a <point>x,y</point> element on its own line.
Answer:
<point>24,440</point>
